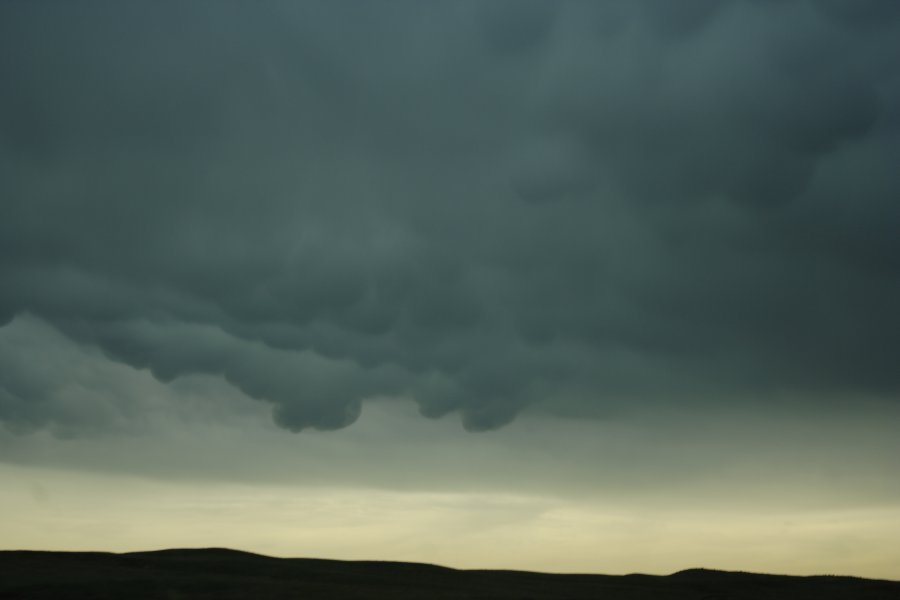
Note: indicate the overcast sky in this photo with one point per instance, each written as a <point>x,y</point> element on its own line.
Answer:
<point>602,286</point>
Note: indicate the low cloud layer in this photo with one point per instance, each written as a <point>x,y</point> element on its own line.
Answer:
<point>574,207</point>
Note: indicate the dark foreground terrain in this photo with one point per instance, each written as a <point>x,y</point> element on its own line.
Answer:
<point>227,574</point>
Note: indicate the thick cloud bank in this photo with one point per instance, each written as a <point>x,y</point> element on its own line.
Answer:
<point>482,206</point>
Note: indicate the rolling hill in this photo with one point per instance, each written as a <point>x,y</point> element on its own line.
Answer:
<point>187,574</point>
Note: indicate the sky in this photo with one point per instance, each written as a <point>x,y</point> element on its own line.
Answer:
<point>540,284</point>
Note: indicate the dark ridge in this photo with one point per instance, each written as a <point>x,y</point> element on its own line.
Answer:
<point>224,574</point>
<point>200,552</point>
<point>713,573</point>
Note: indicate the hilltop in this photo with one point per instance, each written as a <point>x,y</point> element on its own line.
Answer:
<point>224,574</point>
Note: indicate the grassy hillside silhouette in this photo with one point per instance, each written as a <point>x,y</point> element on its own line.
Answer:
<point>230,574</point>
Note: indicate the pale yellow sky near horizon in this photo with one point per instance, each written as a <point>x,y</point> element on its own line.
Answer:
<point>47,508</point>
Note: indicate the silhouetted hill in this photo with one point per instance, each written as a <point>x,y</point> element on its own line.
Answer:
<point>220,573</point>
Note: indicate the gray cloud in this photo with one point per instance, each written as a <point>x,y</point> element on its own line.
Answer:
<point>572,206</point>
<point>52,383</point>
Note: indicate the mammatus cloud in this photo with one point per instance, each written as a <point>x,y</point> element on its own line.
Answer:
<point>482,207</point>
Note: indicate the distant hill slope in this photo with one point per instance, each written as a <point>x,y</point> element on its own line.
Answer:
<point>222,574</point>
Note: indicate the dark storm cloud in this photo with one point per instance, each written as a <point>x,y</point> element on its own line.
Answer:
<point>484,206</point>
